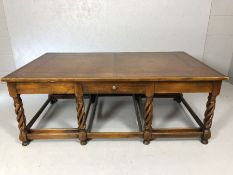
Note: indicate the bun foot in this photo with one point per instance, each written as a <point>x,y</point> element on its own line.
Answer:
<point>204,141</point>
<point>83,142</point>
<point>25,143</point>
<point>146,142</point>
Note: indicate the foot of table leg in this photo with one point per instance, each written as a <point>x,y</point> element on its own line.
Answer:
<point>147,137</point>
<point>83,137</point>
<point>146,142</point>
<point>83,143</point>
<point>26,143</point>
<point>205,137</point>
<point>203,141</point>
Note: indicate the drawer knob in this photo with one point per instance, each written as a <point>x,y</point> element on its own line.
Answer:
<point>114,87</point>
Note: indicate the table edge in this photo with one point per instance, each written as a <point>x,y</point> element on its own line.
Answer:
<point>86,79</point>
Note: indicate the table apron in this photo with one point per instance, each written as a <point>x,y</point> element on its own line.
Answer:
<point>114,87</point>
<point>182,87</point>
<point>46,88</point>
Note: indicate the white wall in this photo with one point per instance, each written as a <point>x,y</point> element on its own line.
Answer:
<point>231,71</point>
<point>6,56</point>
<point>219,39</point>
<point>38,26</point>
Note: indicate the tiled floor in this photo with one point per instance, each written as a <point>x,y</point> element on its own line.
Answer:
<point>162,156</point>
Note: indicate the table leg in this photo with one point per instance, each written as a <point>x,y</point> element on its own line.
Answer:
<point>209,113</point>
<point>19,111</point>
<point>81,116</point>
<point>148,116</point>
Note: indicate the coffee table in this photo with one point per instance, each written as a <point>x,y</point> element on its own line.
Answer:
<point>143,75</point>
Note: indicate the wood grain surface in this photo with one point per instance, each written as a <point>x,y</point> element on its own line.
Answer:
<point>149,66</point>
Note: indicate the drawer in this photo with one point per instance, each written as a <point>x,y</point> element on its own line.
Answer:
<point>182,87</point>
<point>45,88</point>
<point>114,87</point>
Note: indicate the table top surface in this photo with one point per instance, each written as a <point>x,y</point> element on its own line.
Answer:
<point>132,66</point>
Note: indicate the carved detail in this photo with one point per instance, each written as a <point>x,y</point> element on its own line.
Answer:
<point>81,119</point>
<point>148,115</point>
<point>81,113</point>
<point>209,114</point>
<point>19,111</point>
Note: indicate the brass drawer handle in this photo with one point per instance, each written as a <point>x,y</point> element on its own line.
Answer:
<point>114,87</point>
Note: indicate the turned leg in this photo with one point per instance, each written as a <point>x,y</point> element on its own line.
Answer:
<point>81,116</point>
<point>148,116</point>
<point>19,111</point>
<point>209,113</point>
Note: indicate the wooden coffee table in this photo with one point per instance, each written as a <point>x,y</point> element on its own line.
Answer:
<point>142,75</point>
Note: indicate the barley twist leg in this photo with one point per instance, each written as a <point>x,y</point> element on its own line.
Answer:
<point>21,119</point>
<point>81,119</point>
<point>209,113</point>
<point>148,116</point>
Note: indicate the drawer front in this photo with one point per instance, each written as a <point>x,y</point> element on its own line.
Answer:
<point>45,88</point>
<point>179,87</point>
<point>114,87</point>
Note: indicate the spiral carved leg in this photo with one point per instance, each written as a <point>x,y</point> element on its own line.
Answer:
<point>81,120</point>
<point>21,119</point>
<point>148,115</point>
<point>209,113</point>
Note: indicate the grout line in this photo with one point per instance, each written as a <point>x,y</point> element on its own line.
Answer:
<point>221,15</point>
<point>203,55</point>
<point>220,34</point>
<point>8,33</point>
<point>230,71</point>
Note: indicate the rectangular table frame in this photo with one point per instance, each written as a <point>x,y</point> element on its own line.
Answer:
<point>149,90</point>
